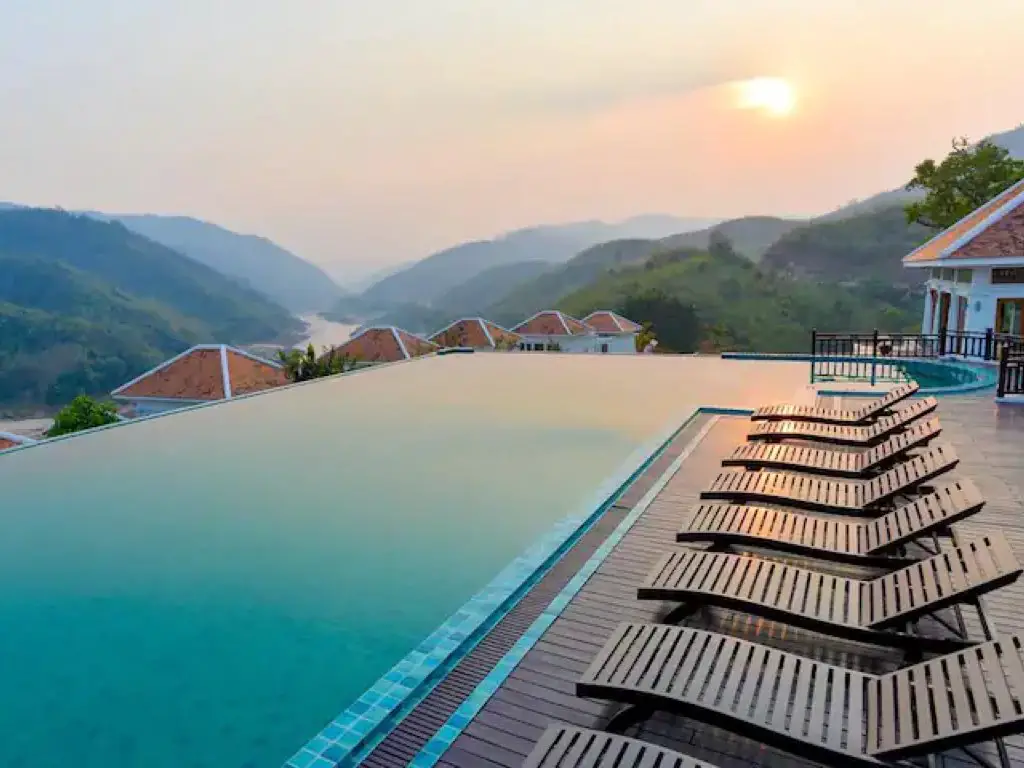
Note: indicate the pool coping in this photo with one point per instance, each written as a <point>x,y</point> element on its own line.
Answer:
<point>368,720</point>
<point>475,701</point>
<point>980,370</point>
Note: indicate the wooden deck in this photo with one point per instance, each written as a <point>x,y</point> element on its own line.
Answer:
<point>540,690</point>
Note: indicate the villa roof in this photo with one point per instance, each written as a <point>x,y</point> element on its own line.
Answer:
<point>205,372</point>
<point>993,231</point>
<point>385,344</point>
<point>606,321</point>
<point>551,322</point>
<point>474,332</point>
<point>11,440</point>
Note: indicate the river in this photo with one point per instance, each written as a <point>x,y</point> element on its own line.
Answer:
<point>325,333</point>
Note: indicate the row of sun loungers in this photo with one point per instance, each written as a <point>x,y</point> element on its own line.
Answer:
<point>972,693</point>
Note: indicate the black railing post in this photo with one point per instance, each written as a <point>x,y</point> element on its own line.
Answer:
<point>988,343</point>
<point>942,342</point>
<point>814,342</point>
<point>1003,372</point>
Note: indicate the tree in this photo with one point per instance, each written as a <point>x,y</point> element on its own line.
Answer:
<point>305,365</point>
<point>82,413</point>
<point>674,323</point>
<point>967,179</point>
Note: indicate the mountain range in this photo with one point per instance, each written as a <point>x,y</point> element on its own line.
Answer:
<point>89,300</point>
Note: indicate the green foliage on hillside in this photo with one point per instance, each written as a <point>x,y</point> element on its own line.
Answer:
<point>750,236</point>
<point>868,246</point>
<point>965,180</point>
<point>80,414</point>
<point>741,306</point>
<point>86,306</point>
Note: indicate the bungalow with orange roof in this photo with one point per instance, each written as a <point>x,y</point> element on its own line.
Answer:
<point>11,440</point>
<point>552,330</point>
<point>616,334</point>
<point>974,270</point>
<point>476,333</point>
<point>202,374</point>
<point>384,344</point>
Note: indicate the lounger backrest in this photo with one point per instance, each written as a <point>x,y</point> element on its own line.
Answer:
<point>901,442</point>
<point>943,507</point>
<point>931,463</point>
<point>566,746</point>
<point>955,700</point>
<point>893,396</point>
<point>903,416</point>
<point>927,585</point>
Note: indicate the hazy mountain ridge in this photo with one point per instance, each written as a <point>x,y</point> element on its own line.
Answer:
<point>88,304</point>
<point>292,282</point>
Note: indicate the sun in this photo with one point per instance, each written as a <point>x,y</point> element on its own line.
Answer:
<point>772,95</point>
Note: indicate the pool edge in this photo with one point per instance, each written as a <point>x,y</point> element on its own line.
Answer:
<point>383,705</point>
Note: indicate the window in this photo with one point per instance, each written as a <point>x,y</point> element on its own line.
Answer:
<point>947,274</point>
<point>604,349</point>
<point>963,275</point>
<point>1005,275</point>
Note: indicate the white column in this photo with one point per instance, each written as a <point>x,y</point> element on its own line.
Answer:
<point>925,324</point>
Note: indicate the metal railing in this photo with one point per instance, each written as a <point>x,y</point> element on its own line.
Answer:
<point>968,344</point>
<point>1011,372</point>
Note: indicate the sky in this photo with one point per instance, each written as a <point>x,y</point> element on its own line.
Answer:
<point>360,134</point>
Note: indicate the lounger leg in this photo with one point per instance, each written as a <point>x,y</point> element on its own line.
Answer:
<point>626,717</point>
<point>1004,758</point>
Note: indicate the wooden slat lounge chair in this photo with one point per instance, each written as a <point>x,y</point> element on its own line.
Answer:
<point>825,461</point>
<point>863,415</point>
<point>835,434</point>
<point>865,610</point>
<point>566,746</point>
<point>869,543</point>
<point>852,497</point>
<point>833,714</point>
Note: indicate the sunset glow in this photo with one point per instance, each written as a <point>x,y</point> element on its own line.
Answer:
<point>772,95</point>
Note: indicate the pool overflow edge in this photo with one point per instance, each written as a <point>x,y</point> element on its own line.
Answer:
<point>352,735</point>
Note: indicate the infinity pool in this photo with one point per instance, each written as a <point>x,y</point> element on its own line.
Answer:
<point>209,588</point>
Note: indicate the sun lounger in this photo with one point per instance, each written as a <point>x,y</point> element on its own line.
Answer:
<point>869,543</point>
<point>565,746</point>
<point>862,415</point>
<point>852,497</point>
<point>835,434</point>
<point>873,610</point>
<point>832,714</point>
<point>825,461</point>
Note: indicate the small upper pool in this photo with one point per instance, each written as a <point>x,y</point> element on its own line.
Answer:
<point>211,587</point>
<point>933,375</point>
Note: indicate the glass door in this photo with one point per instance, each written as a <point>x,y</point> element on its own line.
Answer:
<point>1008,316</point>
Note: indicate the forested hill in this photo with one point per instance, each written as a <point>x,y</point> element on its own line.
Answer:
<point>85,305</point>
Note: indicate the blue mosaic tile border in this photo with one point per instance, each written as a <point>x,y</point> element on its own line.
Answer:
<point>357,730</point>
<point>447,734</point>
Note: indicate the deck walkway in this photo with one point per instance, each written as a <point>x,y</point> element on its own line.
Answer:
<point>540,690</point>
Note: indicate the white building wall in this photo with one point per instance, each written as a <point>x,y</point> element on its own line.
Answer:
<point>153,407</point>
<point>982,297</point>
<point>619,344</point>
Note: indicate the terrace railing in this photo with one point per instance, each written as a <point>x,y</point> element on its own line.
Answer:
<point>1011,372</point>
<point>967,344</point>
<point>875,356</point>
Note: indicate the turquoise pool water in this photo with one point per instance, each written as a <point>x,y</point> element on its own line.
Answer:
<point>211,587</point>
<point>930,374</point>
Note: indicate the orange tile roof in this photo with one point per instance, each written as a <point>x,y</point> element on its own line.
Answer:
<point>952,242</point>
<point>10,440</point>
<point>605,321</point>
<point>551,323</point>
<point>201,373</point>
<point>474,332</point>
<point>384,345</point>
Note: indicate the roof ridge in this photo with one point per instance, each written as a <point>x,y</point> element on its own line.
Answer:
<point>401,342</point>
<point>225,371</point>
